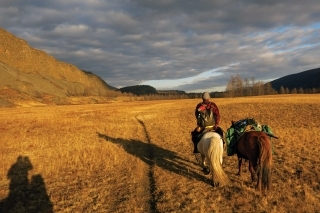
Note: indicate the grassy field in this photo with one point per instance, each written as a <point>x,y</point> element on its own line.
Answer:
<point>137,157</point>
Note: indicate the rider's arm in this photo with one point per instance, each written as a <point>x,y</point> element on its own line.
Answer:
<point>196,111</point>
<point>216,113</point>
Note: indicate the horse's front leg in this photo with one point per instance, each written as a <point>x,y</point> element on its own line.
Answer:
<point>239,166</point>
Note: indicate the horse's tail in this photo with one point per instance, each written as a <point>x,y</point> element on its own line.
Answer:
<point>265,163</point>
<point>215,153</point>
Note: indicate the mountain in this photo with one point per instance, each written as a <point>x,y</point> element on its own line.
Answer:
<point>139,90</point>
<point>97,78</point>
<point>306,80</point>
<point>31,75</point>
<point>149,90</point>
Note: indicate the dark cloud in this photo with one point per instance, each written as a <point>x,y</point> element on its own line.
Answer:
<point>127,42</point>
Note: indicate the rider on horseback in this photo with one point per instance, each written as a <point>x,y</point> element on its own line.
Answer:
<point>208,118</point>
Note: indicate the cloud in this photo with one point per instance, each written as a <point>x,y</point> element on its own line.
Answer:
<point>130,42</point>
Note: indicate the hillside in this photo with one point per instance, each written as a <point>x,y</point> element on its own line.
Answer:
<point>31,75</point>
<point>306,80</point>
<point>177,92</point>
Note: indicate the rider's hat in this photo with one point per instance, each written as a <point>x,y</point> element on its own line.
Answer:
<point>206,96</point>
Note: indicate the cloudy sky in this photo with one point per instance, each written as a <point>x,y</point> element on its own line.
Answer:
<point>190,45</point>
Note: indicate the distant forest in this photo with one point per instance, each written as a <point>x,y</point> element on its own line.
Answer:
<point>236,87</point>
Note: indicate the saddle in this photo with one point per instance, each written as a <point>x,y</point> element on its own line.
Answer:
<point>198,132</point>
<point>238,128</point>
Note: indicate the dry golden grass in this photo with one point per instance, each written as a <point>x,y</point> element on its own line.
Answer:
<point>137,157</point>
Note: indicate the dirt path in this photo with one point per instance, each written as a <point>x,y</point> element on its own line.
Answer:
<point>152,184</point>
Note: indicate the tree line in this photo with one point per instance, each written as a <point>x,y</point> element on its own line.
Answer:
<point>236,87</point>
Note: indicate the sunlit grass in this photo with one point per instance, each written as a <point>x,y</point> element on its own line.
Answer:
<point>133,156</point>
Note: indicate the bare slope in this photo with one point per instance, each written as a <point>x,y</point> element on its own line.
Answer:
<point>35,75</point>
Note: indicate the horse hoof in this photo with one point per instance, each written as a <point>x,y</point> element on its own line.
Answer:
<point>206,171</point>
<point>215,184</point>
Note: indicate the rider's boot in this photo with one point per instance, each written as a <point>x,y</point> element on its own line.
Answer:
<point>195,150</point>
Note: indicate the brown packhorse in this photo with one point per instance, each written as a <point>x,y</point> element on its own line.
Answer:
<point>255,146</point>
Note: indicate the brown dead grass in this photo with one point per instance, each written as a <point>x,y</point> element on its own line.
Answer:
<point>137,157</point>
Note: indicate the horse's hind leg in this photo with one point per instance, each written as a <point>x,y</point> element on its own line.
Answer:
<point>259,181</point>
<point>252,172</point>
<point>204,164</point>
<point>203,160</point>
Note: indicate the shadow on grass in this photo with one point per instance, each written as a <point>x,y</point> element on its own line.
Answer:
<point>25,196</point>
<point>155,155</point>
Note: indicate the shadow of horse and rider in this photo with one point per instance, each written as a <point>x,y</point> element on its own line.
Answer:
<point>152,154</point>
<point>24,195</point>
<point>254,146</point>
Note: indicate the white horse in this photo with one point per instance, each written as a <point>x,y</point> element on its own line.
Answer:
<point>211,149</point>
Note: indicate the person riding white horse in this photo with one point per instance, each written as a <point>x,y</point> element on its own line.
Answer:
<point>208,118</point>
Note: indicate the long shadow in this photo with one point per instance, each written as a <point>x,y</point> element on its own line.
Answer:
<point>155,155</point>
<point>25,196</point>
